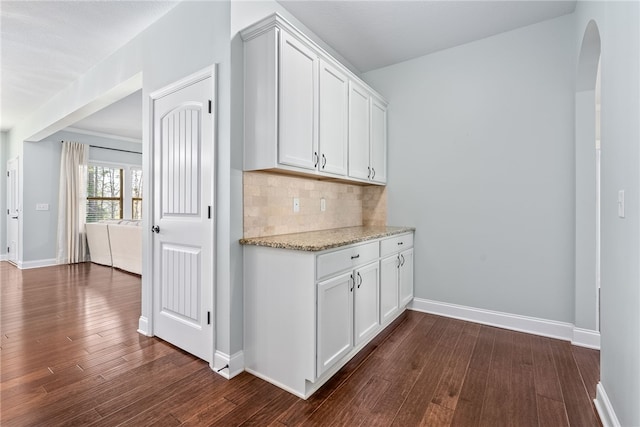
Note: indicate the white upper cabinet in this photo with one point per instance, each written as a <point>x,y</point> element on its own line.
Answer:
<point>359,128</point>
<point>298,97</point>
<point>367,136</point>
<point>378,147</point>
<point>306,113</point>
<point>334,99</point>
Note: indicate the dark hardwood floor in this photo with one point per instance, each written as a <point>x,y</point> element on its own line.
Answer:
<point>71,356</point>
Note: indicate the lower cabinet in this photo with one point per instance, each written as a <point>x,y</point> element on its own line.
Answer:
<point>366,315</point>
<point>389,289</point>
<point>335,314</point>
<point>396,276</point>
<point>405,279</point>
<point>307,314</point>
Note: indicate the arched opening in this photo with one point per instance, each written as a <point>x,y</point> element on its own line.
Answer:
<point>587,181</point>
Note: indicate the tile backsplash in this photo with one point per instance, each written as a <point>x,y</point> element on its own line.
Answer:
<point>268,204</point>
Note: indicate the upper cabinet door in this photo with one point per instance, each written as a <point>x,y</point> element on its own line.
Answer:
<point>378,141</point>
<point>334,101</point>
<point>358,132</point>
<point>298,97</point>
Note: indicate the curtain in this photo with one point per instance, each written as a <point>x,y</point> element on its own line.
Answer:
<point>72,203</point>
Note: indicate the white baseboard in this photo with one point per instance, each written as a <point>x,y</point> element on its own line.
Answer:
<point>604,408</point>
<point>531,325</point>
<point>144,327</point>
<point>586,338</point>
<point>26,265</point>
<point>228,366</point>
<point>4,257</point>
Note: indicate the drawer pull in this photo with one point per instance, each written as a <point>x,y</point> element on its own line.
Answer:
<point>355,256</point>
<point>400,243</point>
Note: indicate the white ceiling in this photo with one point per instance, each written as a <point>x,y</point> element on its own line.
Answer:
<point>374,34</point>
<point>122,118</point>
<point>46,45</point>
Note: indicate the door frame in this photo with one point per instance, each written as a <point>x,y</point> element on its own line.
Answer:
<point>145,323</point>
<point>16,252</point>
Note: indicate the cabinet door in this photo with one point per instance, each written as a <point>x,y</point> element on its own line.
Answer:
<point>298,94</point>
<point>358,132</point>
<point>334,101</point>
<point>335,320</point>
<point>366,314</point>
<point>378,154</point>
<point>389,287</point>
<point>406,277</point>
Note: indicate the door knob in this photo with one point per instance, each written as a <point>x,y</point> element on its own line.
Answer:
<point>155,229</point>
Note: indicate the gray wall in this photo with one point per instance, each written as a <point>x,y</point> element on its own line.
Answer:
<point>41,179</point>
<point>619,25</point>
<point>41,175</point>
<point>481,162</point>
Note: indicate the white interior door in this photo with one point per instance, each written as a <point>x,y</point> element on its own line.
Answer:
<point>183,144</point>
<point>13,210</point>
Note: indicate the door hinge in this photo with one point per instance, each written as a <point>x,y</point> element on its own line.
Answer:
<point>209,214</point>
<point>209,106</point>
<point>208,317</point>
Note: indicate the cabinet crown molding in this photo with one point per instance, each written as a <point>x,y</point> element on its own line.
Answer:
<point>275,20</point>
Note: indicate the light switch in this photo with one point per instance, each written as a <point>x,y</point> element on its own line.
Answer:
<point>621,203</point>
<point>42,206</point>
<point>296,204</point>
<point>323,205</point>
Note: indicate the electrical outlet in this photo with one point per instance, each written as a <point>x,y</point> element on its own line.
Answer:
<point>323,205</point>
<point>296,204</point>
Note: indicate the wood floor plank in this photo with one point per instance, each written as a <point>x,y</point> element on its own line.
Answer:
<point>588,362</point>
<point>575,396</point>
<point>448,391</point>
<point>435,364</point>
<point>437,416</point>
<point>71,355</point>
<point>551,413</point>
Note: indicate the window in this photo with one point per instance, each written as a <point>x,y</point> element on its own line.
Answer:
<point>136,193</point>
<point>104,193</point>
<point>114,192</point>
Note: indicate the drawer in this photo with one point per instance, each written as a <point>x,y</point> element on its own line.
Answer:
<point>345,259</point>
<point>395,244</point>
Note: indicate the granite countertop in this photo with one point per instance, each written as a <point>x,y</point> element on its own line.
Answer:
<point>313,241</point>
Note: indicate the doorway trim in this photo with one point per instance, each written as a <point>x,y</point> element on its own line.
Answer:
<point>586,192</point>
